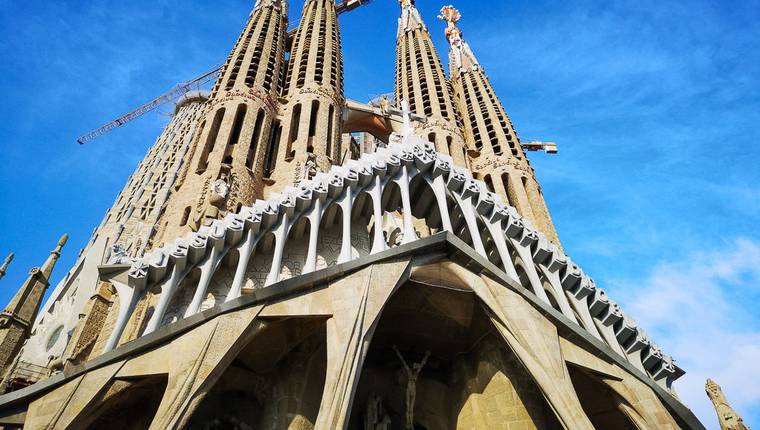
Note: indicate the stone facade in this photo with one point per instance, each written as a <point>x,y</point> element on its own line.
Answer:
<point>132,223</point>
<point>297,277</point>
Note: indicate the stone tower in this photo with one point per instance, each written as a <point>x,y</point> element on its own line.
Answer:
<point>17,318</point>
<point>5,265</point>
<point>127,231</point>
<point>727,416</point>
<point>498,158</point>
<point>309,134</point>
<point>421,81</point>
<point>230,147</point>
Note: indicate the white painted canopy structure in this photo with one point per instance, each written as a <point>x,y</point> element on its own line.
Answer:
<point>409,182</point>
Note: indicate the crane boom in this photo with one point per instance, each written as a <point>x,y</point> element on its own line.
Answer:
<point>161,100</point>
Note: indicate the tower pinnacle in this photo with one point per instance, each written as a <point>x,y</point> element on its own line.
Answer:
<point>462,57</point>
<point>16,320</point>
<point>421,81</point>
<point>410,17</point>
<point>727,416</point>
<point>5,265</point>
<point>47,267</point>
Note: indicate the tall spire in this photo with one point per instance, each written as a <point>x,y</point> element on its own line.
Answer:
<point>49,265</point>
<point>5,265</point>
<point>498,158</point>
<point>420,80</point>
<point>309,137</point>
<point>727,416</point>
<point>226,168</point>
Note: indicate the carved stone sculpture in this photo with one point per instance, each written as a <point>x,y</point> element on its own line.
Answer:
<point>119,255</point>
<point>412,374</point>
<point>217,200</point>
<point>727,416</point>
<point>375,417</point>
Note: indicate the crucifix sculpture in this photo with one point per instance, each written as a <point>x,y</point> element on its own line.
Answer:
<point>411,385</point>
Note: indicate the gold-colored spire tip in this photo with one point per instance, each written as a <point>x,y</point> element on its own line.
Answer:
<point>64,239</point>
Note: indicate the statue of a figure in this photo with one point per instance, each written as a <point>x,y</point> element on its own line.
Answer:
<point>385,105</point>
<point>411,385</point>
<point>221,189</point>
<point>217,201</point>
<point>118,255</point>
<point>375,418</point>
<point>311,168</point>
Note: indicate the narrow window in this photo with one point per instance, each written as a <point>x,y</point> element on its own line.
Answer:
<point>274,144</point>
<point>294,126</point>
<point>489,183</point>
<point>505,183</point>
<point>237,126</point>
<point>255,138</point>
<point>431,139</point>
<point>186,216</point>
<point>313,125</point>
<point>330,138</point>
<point>208,148</point>
<point>449,141</point>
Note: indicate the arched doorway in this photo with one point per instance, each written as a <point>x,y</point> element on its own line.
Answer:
<point>468,378</point>
<point>600,403</point>
<point>275,382</point>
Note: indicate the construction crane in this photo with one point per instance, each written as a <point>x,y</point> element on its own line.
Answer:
<point>548,147</point>
<point>184,88</point>
<point>173,94</point>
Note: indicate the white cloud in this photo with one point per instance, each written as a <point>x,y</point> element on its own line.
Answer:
<point>701,309</point>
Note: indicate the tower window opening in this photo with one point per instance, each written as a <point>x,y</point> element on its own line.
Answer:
<point>237,125</point>
<point>295,123</point>
<point>314,117</point>
<point>505,184</point>
<point>330,138</point>
<point>255,138</point>
<point>489,183</point>
<point>274,145</point>
<point>213,133</point>
<point>185,216</point>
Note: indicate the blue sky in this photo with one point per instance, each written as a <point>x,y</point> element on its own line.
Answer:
<point>655,105</point>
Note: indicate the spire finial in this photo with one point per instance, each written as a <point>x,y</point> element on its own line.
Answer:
<point>47,268</point>
<point>5,265</point>
<point>451,15</point>
<point>410,17</point>
<point>463,60</point>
